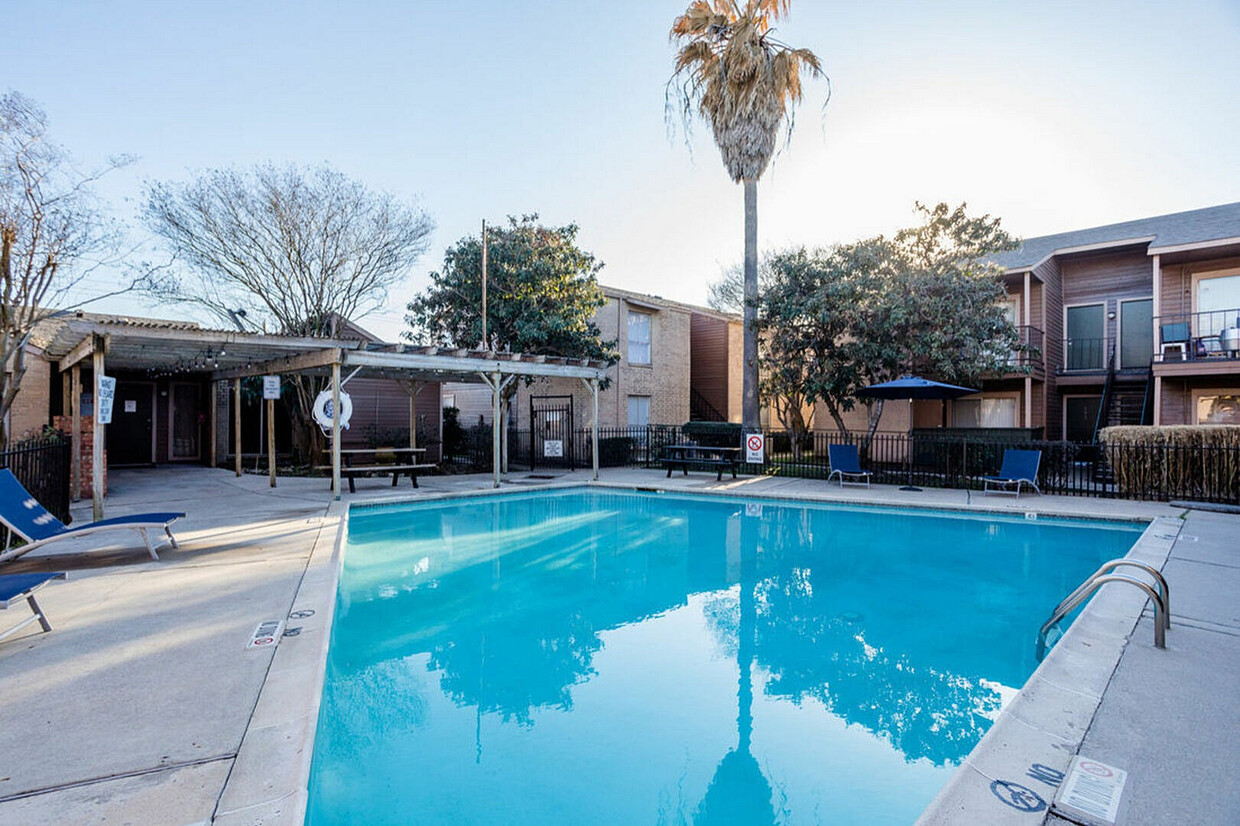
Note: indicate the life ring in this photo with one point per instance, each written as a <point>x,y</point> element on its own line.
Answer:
<point>323,410</point>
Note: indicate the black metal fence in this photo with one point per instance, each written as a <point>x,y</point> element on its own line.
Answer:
<point>926,459</point>
<point>42,466</point>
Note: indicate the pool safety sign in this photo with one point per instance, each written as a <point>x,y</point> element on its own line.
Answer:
<point>267,634</point>
<point>1092,790</point>
<point>271,387</point>
<point>553,448</point>
<point>107,395</point>
<point>755,448</point>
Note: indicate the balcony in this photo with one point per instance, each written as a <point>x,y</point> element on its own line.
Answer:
<point>1198,337</point>
<point>1028,357</point>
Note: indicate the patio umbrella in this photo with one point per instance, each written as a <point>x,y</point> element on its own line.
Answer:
<point>913,388</point>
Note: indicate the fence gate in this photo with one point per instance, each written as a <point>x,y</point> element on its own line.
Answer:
<point>551,432</point>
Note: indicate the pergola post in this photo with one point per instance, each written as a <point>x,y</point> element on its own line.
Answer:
<point>237,426</point>
<point>336,429</point>
<point>271,441</point>
<point>97,443</point>
<point>215,436</point>
<point>495,427</point>
<point>75,432</point>
<point>593,385</point>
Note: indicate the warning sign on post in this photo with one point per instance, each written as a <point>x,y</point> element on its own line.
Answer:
<point>271,387</point>
<point>755,448</point>
<point>107,395</point>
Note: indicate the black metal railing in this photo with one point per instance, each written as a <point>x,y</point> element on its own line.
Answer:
<point>1212,335</point>
<point>42,466</point>
<point>930,458</point>
<point>1086,354</point>
<point>1029,350</point>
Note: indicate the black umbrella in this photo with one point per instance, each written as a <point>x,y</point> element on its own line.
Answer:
<point>911,388</point>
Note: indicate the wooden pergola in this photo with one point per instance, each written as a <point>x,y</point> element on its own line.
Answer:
<point>223,355</point>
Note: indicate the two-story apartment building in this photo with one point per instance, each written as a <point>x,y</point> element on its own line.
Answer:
<point>1129,323</point>
<point>677,362</point>
<point>1132,323</point>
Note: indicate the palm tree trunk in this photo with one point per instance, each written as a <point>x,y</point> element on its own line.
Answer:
<point>749,396</point>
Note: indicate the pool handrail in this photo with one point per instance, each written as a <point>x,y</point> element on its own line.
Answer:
<point>1078,596</point>
<point>1163,587</point>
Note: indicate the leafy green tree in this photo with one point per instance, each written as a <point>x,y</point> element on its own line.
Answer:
<point>745,84</point>
<point>542,294</point>
<point>925,301</point>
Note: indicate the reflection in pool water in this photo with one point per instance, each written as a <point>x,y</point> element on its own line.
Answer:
<point>612,657</point>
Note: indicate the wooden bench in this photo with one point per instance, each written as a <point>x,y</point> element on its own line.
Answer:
<point>683,456</point>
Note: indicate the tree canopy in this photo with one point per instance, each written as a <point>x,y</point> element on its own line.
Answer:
<point>52,233</point>
<point>542,294</point>
<point>293,246</point>
<point>924,301</point>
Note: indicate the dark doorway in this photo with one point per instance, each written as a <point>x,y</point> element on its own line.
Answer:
<point>1080,418</point>
<point>130,438</point>
<point>551,436</point>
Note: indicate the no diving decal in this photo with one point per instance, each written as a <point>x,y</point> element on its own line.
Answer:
<point>266,634</point>
<point>1021,798</point>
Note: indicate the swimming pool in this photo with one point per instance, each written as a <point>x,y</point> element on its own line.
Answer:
<point>601,656</point>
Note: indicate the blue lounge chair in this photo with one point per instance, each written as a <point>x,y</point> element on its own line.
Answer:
<point>25,517</point>
<point>16,587</point>
<point>845,462</point>
<point>1020,467</point>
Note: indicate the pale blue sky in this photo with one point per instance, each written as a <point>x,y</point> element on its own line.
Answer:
<point>1052,115</point>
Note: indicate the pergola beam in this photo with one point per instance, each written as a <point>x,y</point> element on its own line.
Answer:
<point>301,362</point>
<point>442,363</point>
<point>83,349</point>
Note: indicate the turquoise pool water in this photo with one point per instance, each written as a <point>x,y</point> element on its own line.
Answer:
<point>591,656</point>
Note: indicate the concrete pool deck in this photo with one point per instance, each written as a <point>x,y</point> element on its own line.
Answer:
<point>145,706</point>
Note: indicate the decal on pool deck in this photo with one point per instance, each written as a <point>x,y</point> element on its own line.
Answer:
<point>266,634</point>
<point>1021,798</point>
<point>1092,789</point>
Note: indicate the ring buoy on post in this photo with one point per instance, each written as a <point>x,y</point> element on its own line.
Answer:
<point>323,410</point>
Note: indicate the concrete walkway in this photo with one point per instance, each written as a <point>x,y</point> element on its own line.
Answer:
<point>134,708</point>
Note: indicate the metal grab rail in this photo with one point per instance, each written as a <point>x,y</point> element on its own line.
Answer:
<point>1163,587</point>
<point>1161,622</point>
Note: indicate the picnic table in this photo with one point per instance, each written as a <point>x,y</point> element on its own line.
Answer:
<point>354,463</point>
<point>683,455</point>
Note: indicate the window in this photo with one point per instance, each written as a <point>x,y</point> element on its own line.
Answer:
<point>639,338</point>
<point>639,411</point>
<point>995,412</point>
<point>1086,337</point>
<point>449,400</point>
<point>1222,408</point>
<point>1218,303</point>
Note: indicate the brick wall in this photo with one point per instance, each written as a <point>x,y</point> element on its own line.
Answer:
<point>86,447</point>
<point>29,413</point>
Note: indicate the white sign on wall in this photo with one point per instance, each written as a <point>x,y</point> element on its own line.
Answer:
<point>755,448</point>
<point>131,405</point>
<point>271,387</point>
<point>553,448</point>
<point>107,395</point>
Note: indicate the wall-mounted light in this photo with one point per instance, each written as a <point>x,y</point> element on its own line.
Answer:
<point>1111,316</point>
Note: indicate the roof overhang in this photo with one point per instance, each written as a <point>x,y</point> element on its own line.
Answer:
<point>223,354</point>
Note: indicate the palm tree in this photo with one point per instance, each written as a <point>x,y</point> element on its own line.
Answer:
<point>746,85</point>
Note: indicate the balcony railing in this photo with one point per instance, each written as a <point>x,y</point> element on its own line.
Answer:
<point>1081,355</point>
<point>1212,335</point>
